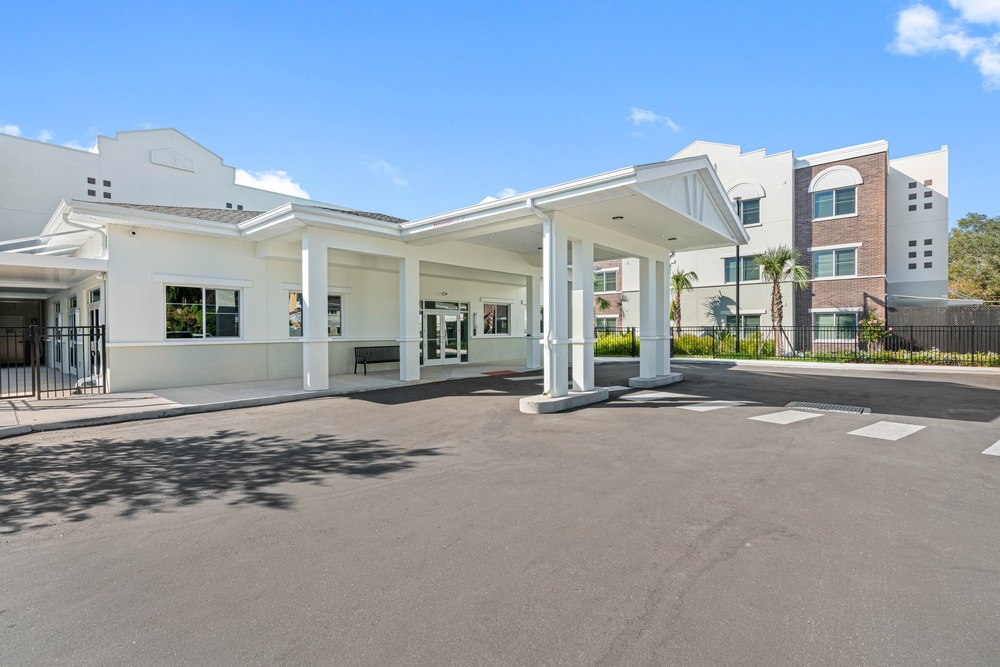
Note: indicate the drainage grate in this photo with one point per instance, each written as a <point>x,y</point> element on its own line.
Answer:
<point>829,407</point>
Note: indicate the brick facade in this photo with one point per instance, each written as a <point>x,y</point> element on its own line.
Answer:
<point>868,227</point>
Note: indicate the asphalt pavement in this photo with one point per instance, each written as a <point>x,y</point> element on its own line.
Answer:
<point>704,524</point>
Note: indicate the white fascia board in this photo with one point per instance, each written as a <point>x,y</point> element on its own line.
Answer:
<point>291,216</point>
<point>880,146</point>
<point>518,205</point>
<point>53,262</point>
<point>132,217</point>
<point>851,309</point>
<point>839,246</point>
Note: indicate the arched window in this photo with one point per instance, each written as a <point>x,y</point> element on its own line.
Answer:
<point>746,196</point>
<point>835,192</point>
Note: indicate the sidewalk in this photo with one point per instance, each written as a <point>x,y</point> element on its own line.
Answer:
<point>20,416</point>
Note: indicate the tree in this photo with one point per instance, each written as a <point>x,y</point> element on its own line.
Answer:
<point>778,265</point>
<point>974,257</point>
<point>679,281</point>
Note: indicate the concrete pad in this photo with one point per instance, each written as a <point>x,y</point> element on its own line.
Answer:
<point>653,396</point>
<point>658,381</point>
<point>887,430</point>
<point>711,405</point>
<point>786,417</point>
<point>546,405</point>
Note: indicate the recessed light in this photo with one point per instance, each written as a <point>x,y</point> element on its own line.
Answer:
<point>672,238</point>
<point>618,217</point>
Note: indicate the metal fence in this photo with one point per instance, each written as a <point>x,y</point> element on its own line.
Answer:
<point>941,345</point>
<point>43,362</point>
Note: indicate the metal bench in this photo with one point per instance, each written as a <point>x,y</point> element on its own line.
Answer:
<point>374,355</point>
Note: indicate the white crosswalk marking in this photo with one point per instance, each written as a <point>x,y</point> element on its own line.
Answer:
<point>522,378</point>
<point>786,417</point>
<point>653,396</point>
<point>887,430</point>
<point>993,450</point>
<point>711,405</point>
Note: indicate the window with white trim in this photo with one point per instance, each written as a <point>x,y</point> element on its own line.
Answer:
<point>748,211</point>
<point>750,270</point>
<point>496,318</point>
<point>606,281</point>
<point>835,263</point>
<point>334,315</point>
<point>751,323</point>
<point>606,324</point>
<point>202,312</point>
<point>832,203</point>
<point>835,327</point>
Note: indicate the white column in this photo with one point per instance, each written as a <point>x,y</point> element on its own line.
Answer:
<point>583,315</point>
<point>663,318</point>
<point>648,302</point>
<point>409,319</point>
<point>555,338</point>
<point>533,354</point>
<point>315,333</point>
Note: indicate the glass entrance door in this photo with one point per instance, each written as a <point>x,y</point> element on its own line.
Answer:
<point>446,337</point>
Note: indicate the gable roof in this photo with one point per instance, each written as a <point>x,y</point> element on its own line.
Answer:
<point>233,216</point>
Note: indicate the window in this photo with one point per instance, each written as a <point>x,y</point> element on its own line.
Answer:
<point>107,195</point>
<point>334,314</point>
<point>913,207</point>
<point>751,323</point>
<point>928,265</point>
<point>913,243</point>
<point>835,326</point>
<point>199,312</point>
<point>913,196</point>
<point>496,318</point>
<point>928,253</point>
<point>107,184</point>
<point>750,270</point>
<point>831,203</point>
<point>928,205</point>
<point>928,193</point>
<point>834,263</point>
<point>748,211</point>
<point>94,296</point>
<point>913,255</point>
<point>91,180</point>
<point>606,281</point>
<point>913,184</point>
<point>605,324</point>
<point>913,266</point>
<point>91,193</point>
<point>928,241</point>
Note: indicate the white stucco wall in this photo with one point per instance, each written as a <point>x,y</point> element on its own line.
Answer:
<point>737,171</point>
<point>141,265</point>
<point>35,176</point>
<point>904,226</point>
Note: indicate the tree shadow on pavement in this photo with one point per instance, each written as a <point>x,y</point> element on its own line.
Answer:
<point>68,481</point>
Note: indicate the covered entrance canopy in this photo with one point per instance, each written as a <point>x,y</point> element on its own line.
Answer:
<point>648,212</point>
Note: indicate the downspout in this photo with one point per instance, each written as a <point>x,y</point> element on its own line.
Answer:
<point>99,229</point>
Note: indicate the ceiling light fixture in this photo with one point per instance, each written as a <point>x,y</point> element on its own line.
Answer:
<point>618,217</point>
<point>672,238</point>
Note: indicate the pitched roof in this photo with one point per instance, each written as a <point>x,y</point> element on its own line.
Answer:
<point>232,215</point>
<point>365,214</point>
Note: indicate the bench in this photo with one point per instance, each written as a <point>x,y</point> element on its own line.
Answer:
<point>374,355</point>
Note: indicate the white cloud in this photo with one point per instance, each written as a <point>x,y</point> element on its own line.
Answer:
<point>12,130</point>
<point>506,192</point>
<point>921,29</point>
<point>640,117</point>
<point>978,11</point>
<point>45,135</point>
<point>272,181</point>
<point>386,169</point>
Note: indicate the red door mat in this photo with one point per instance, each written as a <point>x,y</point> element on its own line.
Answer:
<point>499,373</point>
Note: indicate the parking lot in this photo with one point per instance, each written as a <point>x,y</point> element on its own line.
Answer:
<point>702,524</point>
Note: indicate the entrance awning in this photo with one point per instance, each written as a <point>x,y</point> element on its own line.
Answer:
<point>25,277</point>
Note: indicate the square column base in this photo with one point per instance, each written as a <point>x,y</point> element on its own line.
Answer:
<point>543,405</point>
<point>658,381</point>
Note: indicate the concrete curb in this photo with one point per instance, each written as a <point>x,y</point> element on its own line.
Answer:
<point>890,368</point>
<point>180,410</point>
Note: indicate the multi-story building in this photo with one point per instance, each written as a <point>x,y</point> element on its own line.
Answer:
<point>873,231</point>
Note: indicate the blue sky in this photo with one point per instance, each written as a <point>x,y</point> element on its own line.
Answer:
<point>418,108</point>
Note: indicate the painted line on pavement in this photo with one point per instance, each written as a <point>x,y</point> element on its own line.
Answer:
<point>887,430</point>
<point>711,405</point>
<point>993,450</point>
<point>786,417</point>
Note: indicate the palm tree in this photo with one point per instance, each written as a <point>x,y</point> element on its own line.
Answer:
<point>779,265</point>
<point>679,281</point>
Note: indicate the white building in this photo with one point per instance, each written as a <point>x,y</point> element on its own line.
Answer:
<point>194,290</point>
<point>890,241</point>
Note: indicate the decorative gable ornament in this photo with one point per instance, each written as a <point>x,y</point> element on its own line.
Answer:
<point>169,157</point>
